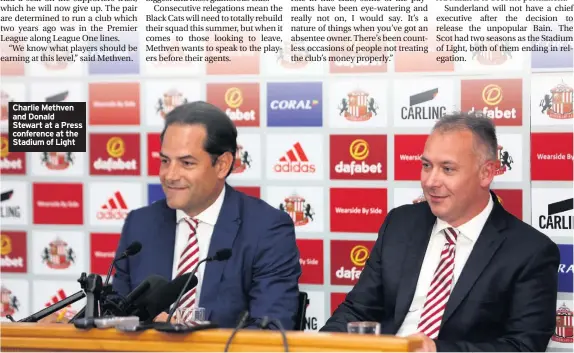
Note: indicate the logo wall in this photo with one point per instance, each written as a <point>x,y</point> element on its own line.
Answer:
<point>315,314</point>
<point>153,158</point>
<point>13,204</point>
<point>58,203</point>
<point>10,92</point>
<point>552,59</point>
<point>408,152</point>
<point>311,260</point>
<point>358,210</point>
<point>240,101</point>
<point>115,154</point>
<point>162,96</point>
<point>358,157</point>
<point>498,99</point>
<point>114,103</point>
<point>348,258</point>
<point>12,163</point>
<point>59,91</point>
<point>421,102</point>
<point>509,154</point>
<point>58,163</point>
<point>15,299</point>
<point>110,203</point>
<point>103,251</point>
<point>358,103</point>
<point>292,157</point>
<point>248,158</point>
<point>305,205</point>
<point>565,270</point>
<point>14,252</point>
<point>295,104</point>
<point>552,211</point>
<point>154,193</point>
<point>58,253</point>
<point>552,100</point>
<point>552,161</point>
<point>563,333</point>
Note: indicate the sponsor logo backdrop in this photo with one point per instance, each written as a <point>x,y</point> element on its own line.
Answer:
<point>334,145</point>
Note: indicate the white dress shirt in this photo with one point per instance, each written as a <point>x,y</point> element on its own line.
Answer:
<point>467,236</point>
<point>206,223</point>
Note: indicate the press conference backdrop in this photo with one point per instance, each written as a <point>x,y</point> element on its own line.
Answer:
<point>334,145</point>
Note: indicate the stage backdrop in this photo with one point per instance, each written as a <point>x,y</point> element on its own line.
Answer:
<point>334,145</point>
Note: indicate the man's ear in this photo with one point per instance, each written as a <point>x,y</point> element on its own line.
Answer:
<point>223,164</point>
<point>487,173</point>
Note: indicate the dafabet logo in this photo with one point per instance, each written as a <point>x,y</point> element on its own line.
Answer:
<point>355,157</point>
<point>348,258</point>
<point>500,100</point>
<point>240,101</point>
<point>114,154</point>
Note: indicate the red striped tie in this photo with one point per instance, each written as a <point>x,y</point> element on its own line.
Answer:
<point>439,291</point>
<point>187,262</point>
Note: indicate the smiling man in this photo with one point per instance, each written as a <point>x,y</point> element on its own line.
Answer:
<point>202,214</point>
<point>457,270</point>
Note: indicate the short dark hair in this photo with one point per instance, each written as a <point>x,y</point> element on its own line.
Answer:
<point>480,125</point>
<point>221,131</point>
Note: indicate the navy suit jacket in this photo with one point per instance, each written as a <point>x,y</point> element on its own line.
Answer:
<point>504,299</point>
<point>261,276</point>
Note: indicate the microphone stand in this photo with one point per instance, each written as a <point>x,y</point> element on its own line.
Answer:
<point>93,286</point>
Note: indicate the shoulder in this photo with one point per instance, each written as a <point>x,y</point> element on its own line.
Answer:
<point>150,212</point>
<point>527,239</point>
<point>256,212</point>
<point>408,213</point>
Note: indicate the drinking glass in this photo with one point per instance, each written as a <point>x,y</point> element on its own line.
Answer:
<point>190,316</point>
<point>364,327</point>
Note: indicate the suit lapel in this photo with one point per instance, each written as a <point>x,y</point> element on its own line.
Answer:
<point>488,242</point>
<point>164,244</point>
<point>412,262</point>
<point>224,234</point>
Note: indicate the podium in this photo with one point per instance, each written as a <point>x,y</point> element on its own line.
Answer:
<point>65,337</point>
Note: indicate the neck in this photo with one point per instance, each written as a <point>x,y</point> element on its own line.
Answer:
<point>198,209</point>
<point>474,210</point>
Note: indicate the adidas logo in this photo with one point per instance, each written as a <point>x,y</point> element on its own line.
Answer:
<point>294,161</point>
<point>115,208</point>
<point>60,295</point>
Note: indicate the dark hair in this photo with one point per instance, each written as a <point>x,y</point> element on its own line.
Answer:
<point>221,132</point>
<point>481,127</point>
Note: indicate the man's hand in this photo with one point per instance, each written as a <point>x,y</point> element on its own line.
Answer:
<point>56,317</point>
<point>162,317</point>
<point>428,344</point>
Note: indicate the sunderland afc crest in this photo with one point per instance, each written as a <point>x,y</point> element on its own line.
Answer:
<point>563,330</point>
<point>485,56</point>
<point>10,303</point>
<point>358,106</point>
<point>57,160</point>
<point>242,160</point>
<point>4,100</point>
<point>558,104</point>
<point>169,101</point>
<point>504,161</point>
<point>300,211</point>
<point>58,255</point>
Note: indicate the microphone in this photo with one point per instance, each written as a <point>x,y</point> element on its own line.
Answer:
<point>240,325</point>
<point>132,300</point>
<point>54,308</point>
<point>132,249</point>
<point>220,255</point>
<point>160,297</point>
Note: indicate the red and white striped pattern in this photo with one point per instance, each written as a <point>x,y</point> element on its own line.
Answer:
<point>440,288</point>
<point>187,262</point>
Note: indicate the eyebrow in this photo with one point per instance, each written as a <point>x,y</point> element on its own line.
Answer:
<point>424,159</point>
<point>188,156</point>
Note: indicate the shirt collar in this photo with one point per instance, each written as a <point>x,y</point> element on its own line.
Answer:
<point>209,215</point>
<point>471,229</point>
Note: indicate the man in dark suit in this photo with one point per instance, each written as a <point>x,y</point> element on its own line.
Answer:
<point>202,214</point>
<point>458,271</point>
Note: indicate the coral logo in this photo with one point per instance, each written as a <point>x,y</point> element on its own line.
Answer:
<point>114,208</point>
<point>500,100</point>
<point>294,104</point>
<point>295,161</point>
